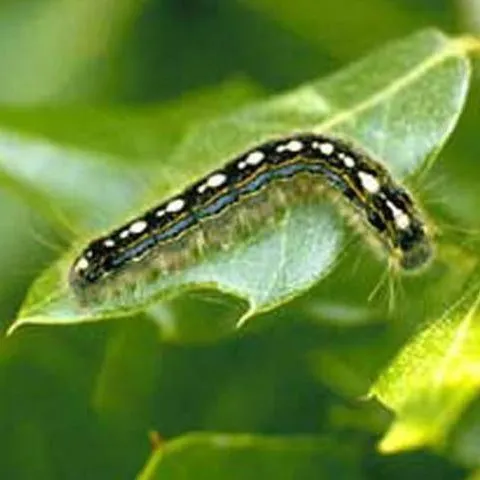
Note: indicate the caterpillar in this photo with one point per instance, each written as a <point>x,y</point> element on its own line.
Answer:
<point>247,191</point>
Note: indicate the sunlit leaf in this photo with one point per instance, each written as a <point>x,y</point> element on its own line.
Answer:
<point>433,379</point>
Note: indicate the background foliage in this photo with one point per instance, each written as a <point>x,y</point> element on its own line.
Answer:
<point>108,90</point>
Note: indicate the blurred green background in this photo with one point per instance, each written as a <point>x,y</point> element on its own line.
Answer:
<point>79,402</point>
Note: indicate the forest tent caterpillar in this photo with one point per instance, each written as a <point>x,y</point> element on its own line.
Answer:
<point>250,189</point>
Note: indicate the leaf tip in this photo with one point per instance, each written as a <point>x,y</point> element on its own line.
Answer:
<point>12,328</point>
<point>402,436</point>
<point>244,318</point>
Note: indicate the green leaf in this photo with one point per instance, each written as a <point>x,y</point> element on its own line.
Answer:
<point>401,102</point>
<point>216,456</point>
<point>433,379</point>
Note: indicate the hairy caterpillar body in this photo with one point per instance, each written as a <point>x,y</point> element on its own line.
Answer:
<point>254,186</point>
